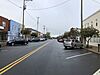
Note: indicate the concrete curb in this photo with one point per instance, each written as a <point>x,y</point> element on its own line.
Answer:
<point>92,50</point>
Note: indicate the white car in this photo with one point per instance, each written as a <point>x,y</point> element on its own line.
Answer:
<point>42,39</point>
<point>72,43</point>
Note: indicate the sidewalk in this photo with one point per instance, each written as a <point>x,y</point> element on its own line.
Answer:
<point>94,48</point>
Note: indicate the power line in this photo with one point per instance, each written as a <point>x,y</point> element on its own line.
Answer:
<point>31,16</point>
<point>52,6</point>
<point>21,8</point>
<point>41,8</point>
<point>14,4</point>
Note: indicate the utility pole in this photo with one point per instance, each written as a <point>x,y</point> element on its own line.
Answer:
<point>81,20</point>
<point>37,26</point>
<point>24,8</point>
<point>44,28</point>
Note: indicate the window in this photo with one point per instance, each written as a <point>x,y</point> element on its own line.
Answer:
<point>91,23</point>
<point>96,19</point>
<point>96,24</point>
<point>4,24</point>
<point>87,24</point>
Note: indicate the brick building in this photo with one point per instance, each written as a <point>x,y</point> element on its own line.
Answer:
<point>4,25</point>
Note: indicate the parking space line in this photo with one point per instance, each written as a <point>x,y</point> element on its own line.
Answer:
<point>78,55</point>
<point>97,72</point>
<point>4,50</point>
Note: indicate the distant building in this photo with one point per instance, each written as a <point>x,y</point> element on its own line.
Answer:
<point>4,27</point>
<point>93,21</point>
<point>33,31</point>
<point>14,30</point>
<point>29,37</point>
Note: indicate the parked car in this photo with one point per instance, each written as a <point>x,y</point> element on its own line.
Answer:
<point>60,40</point>
<point>17,41</point>
<point>43,39</point>
<point>72,43</point>
<point>36,39</point>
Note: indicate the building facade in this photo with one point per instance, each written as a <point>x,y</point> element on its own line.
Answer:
<point>14,30</point>
<point>4,27</point>
<point>93,21</point>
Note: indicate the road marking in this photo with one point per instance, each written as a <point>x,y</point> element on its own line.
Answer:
<point>97,72</point>
<point>79,55</point>
<point>11,65</point>
<point>4,50</point>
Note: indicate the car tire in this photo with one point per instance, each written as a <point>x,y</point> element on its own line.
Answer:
<point>81,47</point>
<point>65,47</point>
<point>12,44</point>
<point>75,46</point>
<point>25,43</point>
<point>0,46</point>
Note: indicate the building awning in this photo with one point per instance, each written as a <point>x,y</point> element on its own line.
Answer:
<point>1,27</point>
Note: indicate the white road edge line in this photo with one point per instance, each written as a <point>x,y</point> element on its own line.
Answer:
<point>97,72</point>
<point>78,55</point>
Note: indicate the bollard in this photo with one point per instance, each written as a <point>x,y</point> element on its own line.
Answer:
<point>98,47</point>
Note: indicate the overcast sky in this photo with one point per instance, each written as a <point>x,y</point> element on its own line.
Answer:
<point>57,19</point>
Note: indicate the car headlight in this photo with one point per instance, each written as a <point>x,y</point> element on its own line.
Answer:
<point>9,42</point>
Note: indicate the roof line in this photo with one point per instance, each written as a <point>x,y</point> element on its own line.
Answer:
<point>92,15</point>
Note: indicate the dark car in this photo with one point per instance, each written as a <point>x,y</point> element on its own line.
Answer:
<point>60,40</point>
<point>17,41</point>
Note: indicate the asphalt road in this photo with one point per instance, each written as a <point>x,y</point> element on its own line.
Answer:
<point>47,58</point>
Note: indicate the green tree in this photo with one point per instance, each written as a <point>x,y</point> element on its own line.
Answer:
<point>74,32</point>
<point>66,35</point>
<point>48,35</point>
<point>88,33</point>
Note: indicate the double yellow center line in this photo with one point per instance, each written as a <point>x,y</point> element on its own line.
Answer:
<point>11,65</point>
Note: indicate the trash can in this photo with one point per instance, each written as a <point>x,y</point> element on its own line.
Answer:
<point>98,47</point>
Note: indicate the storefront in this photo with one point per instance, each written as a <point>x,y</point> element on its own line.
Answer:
<point>14,30</point>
